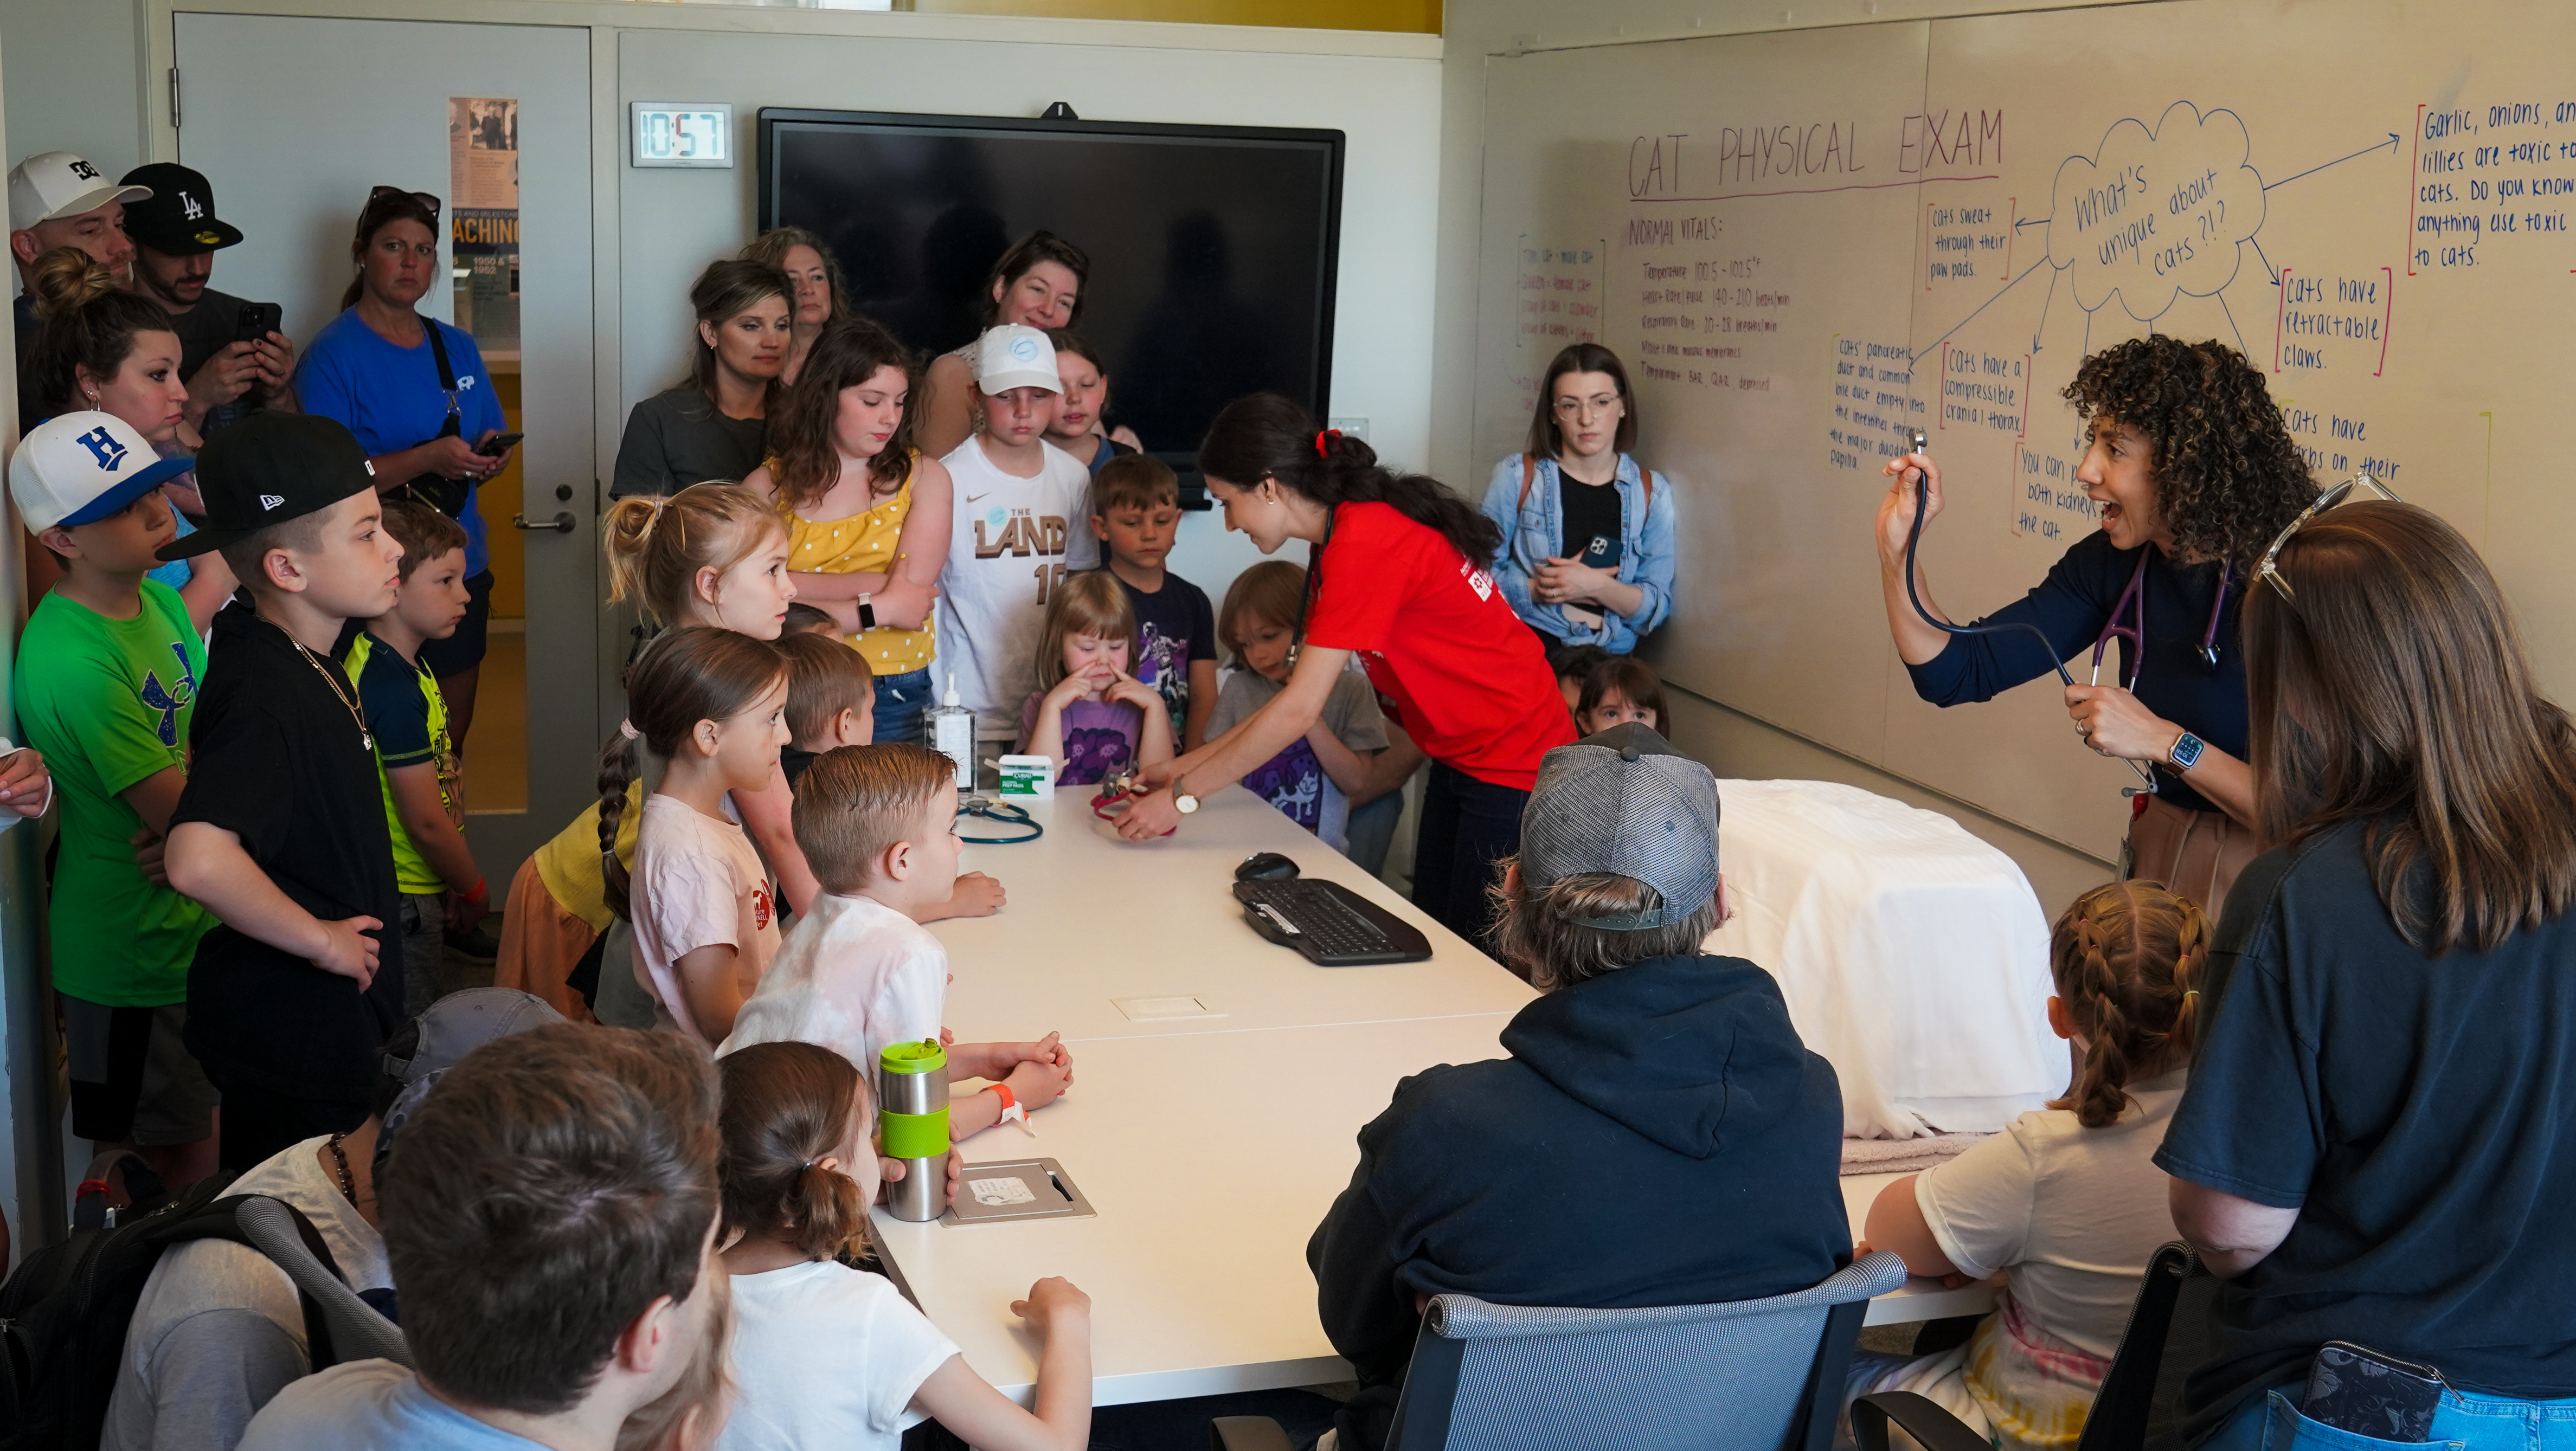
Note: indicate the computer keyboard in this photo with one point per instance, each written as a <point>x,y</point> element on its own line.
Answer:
<point>1333,925</point>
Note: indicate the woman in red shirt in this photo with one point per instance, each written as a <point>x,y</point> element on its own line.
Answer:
<point>1400,579</point>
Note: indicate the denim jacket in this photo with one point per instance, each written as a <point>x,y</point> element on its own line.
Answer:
<point>1534,533</point>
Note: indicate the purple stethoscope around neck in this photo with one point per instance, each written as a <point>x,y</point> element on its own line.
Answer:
<point>2133,602</point>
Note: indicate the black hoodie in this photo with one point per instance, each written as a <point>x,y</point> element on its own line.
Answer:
<point>1659,1136</point>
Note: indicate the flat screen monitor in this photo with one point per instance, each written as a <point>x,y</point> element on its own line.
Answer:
<point>1212,247</point>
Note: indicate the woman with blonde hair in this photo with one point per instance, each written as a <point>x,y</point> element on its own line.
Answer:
<point>817,293</point>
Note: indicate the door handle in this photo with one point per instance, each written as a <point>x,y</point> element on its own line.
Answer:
<point>561,523</point>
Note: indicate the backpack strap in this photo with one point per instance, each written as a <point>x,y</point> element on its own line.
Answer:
<point>338,1325</point>
<point>446,380</point>
<point>1529,476</point>
<point>1649,476</point>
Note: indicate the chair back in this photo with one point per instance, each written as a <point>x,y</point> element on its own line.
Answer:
<point>2139,1407</point>
<point>1748,1375</point>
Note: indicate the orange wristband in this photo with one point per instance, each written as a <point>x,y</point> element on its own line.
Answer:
<point>1004,1090</point>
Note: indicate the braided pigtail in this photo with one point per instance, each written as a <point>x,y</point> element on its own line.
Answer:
<point>2126,958</point>
<point>617,770</point>
<point>2191,962</point>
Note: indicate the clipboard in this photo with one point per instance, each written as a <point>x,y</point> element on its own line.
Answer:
<point>1014,1189</point>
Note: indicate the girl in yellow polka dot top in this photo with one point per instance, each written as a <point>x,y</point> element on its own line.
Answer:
<point>867,516</point>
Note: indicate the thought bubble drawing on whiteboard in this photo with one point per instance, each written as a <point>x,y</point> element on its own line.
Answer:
<point>2156,211</point>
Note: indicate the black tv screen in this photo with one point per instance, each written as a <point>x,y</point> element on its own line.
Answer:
<point>1212,248</point>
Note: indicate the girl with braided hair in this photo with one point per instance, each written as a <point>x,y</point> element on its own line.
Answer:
<point>2066,1201</point>
<point>2195,474</point>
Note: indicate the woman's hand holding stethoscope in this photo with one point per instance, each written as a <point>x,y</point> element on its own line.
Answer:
<point>1896,511</point>
<point>2115,724</point>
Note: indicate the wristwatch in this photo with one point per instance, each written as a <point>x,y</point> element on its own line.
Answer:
<point>1182,799</point>
<point>2186,751</point>
<point>867,613</point>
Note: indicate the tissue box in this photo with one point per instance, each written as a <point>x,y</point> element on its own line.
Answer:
<point>1028,776</point>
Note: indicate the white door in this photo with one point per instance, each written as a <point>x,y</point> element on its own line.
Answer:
<point>292,120</point>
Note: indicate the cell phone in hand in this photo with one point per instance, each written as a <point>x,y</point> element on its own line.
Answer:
<point>498,444</point>
<point>257,320</point>
<point>2355,1388</point>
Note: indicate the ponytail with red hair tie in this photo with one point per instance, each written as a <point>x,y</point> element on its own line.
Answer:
<point>1320,450</point>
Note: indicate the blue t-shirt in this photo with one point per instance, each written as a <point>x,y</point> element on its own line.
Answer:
<point>2411,1108</point>
<point>370,1405</point>
<point>1174,627</point>
<point>389,397</point>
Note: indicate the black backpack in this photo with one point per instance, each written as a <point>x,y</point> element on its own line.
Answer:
<point>63,1315</point>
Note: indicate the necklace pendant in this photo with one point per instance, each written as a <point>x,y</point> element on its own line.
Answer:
<point>367,740</point>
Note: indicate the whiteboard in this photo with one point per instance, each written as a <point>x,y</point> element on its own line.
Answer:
<point>1802,243</point>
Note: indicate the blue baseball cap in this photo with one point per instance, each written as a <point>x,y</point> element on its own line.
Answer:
<point>1624,803</point>
<point>79,468</point>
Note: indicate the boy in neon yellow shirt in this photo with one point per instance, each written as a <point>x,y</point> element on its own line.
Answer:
<point>415,760</point>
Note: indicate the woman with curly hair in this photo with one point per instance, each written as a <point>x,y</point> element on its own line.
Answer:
<point>2195,474</point>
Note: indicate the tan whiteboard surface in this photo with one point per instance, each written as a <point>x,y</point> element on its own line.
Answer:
<point>1803,242</point>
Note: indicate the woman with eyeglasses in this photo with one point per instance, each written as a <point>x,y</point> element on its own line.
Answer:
<point>2195,475</point>
<point>414,391</point>
<point>2374,1145</point>
<point>1587,555</point>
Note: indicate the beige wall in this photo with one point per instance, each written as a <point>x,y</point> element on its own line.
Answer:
<point>1734,744</point>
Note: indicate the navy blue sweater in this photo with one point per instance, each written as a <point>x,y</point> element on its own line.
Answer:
<point>2072,605</point>
<point>1659,1136</point>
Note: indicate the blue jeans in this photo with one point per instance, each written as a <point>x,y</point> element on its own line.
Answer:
<point>2466,1420</point>
<point>901,699</point>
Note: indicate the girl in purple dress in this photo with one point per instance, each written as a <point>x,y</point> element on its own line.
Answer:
<point>1088,714</point>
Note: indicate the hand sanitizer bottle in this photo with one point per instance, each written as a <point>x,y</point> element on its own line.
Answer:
<point>952,734</point>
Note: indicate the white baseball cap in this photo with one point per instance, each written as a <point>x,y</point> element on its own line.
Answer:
<point>54,184</point>
<point>78,468</point>
<point>1015,355</point>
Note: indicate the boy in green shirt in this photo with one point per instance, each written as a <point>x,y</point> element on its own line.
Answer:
<point>107,678</point>
<point>415,760</point>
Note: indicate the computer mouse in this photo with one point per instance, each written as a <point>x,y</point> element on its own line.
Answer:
<point>1265,866</point>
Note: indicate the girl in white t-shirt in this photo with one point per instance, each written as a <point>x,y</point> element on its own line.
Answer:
<point>829,1356</point>
<point>713,705</point>
<point>2066,1202</point>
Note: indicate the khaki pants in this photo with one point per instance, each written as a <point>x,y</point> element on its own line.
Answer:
<point>2194,854</point>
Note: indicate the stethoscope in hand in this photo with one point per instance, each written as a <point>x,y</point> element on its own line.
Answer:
<point>1921,442</point>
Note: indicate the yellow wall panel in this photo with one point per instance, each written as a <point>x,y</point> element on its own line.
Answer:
<point>1421,16</point>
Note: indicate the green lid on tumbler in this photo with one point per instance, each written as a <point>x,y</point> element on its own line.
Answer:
<point>925,1056</point>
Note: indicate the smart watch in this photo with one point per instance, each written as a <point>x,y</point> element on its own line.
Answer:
<point>1182,799</point>
<point>2186,751</point>
<point>867,613</point>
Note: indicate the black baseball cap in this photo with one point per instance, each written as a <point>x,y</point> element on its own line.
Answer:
<point>178,219</point>
<point>267,469</point>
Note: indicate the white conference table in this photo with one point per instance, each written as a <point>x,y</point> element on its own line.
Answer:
<point>1210,1143</point>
